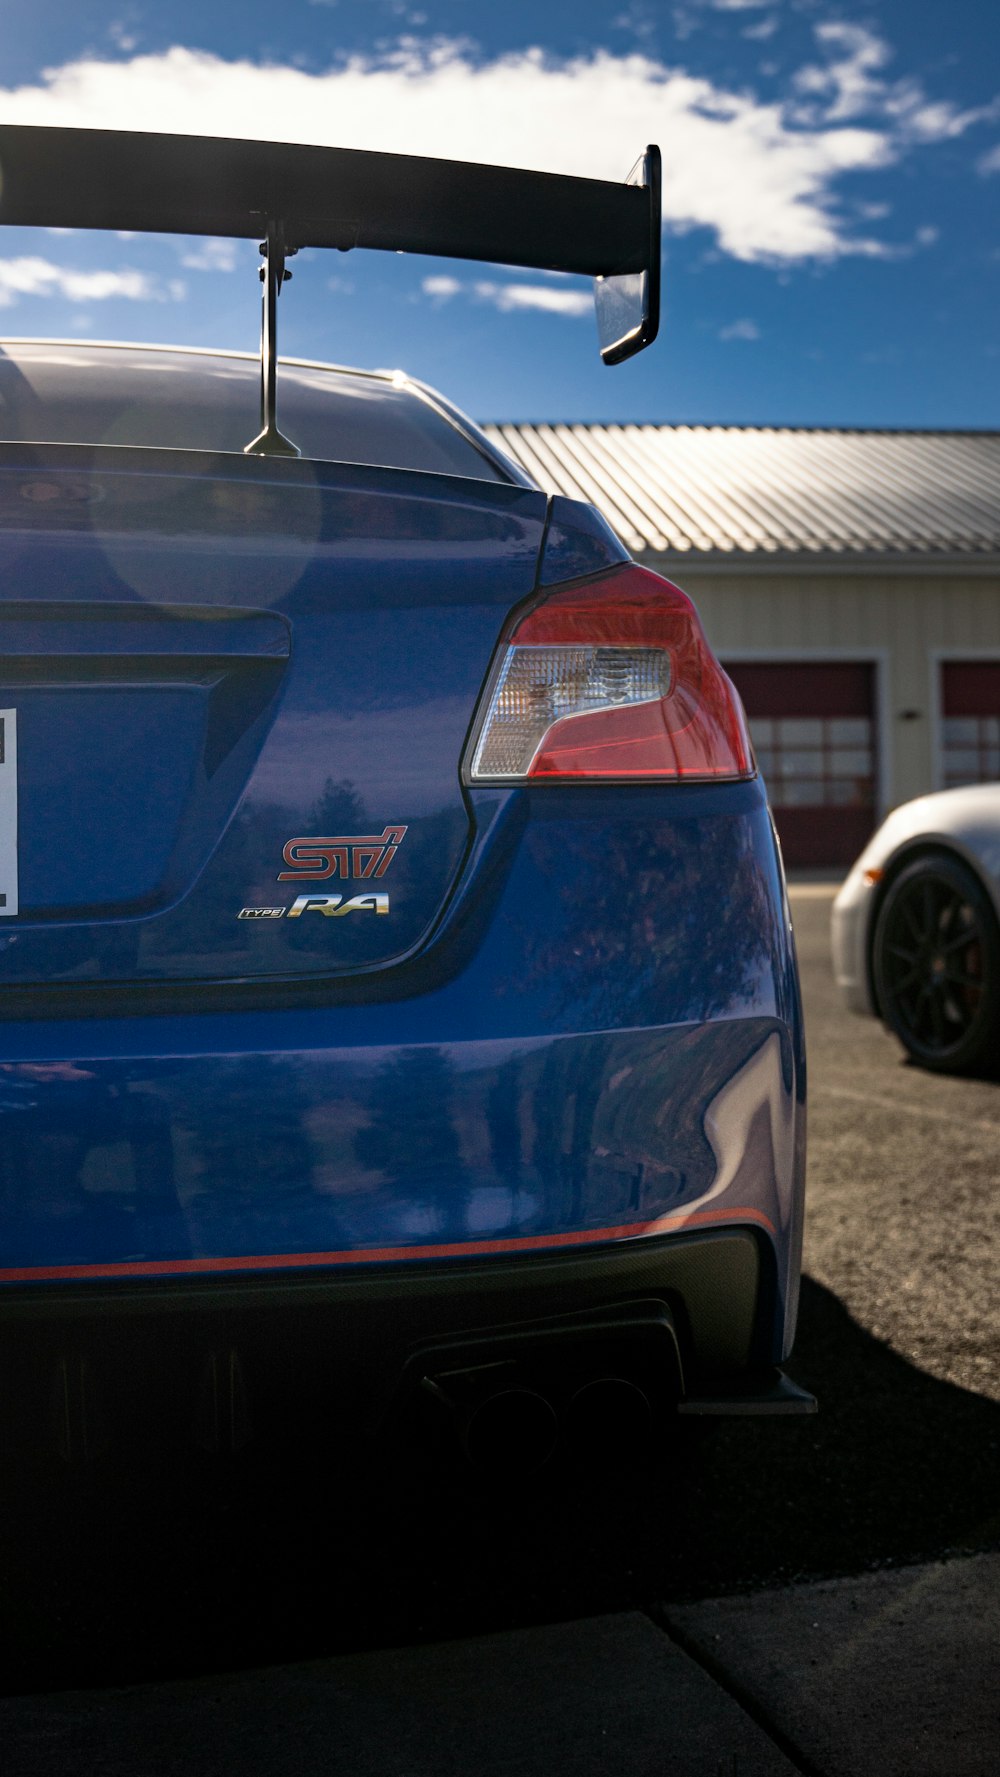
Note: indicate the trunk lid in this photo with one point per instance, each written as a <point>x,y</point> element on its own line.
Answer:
<point>234,697</point>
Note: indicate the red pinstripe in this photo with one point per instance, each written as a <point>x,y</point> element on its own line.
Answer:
<point>380,1255</point>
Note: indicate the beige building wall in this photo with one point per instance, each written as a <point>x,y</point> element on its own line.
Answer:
<point>905,621</point>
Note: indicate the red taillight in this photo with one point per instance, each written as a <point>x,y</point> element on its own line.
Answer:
<point>613,679</point>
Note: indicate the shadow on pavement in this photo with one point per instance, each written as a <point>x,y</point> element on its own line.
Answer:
<point>109,1578</point>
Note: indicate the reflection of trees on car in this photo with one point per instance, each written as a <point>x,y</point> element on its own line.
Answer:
<point>67,1128</point>
<point>503,1117</point>
<point>338,810</point>
<point>412,1138</point>
<point>619,1120</point>
<point>429,839</point>
<point>207,921</point>
<point>633,919</point>
<point>258,1164</point>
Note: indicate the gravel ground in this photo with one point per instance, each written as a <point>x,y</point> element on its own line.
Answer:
<point>904,1183</point>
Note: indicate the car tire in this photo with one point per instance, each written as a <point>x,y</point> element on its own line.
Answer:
<point>936,965</point>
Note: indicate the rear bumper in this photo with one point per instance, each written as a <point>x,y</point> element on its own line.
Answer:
<point>344,1163</point>
<point>93,1372</point>
<point>603,1045</point>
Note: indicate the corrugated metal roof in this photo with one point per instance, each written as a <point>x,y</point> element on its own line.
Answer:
<point>756,491</point>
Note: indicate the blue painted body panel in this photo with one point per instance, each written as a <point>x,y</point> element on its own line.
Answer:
<point>580,1022</point>
<point>159,785</point>
<point>619,1056</point>
<point>578,541</point>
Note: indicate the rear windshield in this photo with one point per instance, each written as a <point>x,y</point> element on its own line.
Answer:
<point>56,394</point>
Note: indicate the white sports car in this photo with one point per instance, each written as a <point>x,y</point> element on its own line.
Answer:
<point>916,928</point>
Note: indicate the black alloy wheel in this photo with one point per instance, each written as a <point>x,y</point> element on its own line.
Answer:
<point>936,965</point>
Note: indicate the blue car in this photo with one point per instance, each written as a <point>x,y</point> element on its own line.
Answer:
<point>400,1003</point>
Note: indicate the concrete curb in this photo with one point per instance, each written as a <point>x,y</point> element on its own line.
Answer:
<point>896,1672</point>
<point>597,1698</point>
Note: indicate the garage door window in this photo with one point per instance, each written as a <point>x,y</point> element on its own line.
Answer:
<point>815,731</point>
<point>816,761</point>
<point>971,750</point>
<point>970,728</point>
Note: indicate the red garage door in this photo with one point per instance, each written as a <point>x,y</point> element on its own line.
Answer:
<point>970,729</point>
<point>813,727</point>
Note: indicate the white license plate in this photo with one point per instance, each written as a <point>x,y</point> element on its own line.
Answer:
<point>8,813</point>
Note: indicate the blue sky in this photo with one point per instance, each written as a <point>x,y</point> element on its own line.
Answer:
<point>832,193</point>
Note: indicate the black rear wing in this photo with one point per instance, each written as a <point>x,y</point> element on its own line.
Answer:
<point>291,196</point>
<point>325,197</point>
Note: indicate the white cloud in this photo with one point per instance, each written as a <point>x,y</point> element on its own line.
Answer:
<point>508,297</point>
<point>990,163</point>
<point>122,36</point>
<point>744,329</point>
<point>762,176</point>
<point>851,85</point>
<point>442,288</point>
<point>847,82</point>
<point>760,33</point>
<point>639,20</point>
<point>32,276</point>
<point>212,254</point>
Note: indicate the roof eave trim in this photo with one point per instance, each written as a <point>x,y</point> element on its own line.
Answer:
<point>809,561</point>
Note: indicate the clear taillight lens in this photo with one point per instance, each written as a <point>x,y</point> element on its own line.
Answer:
<point>612,679</point>
<point>539,687</point>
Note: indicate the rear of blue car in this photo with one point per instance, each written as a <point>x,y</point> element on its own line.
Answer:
<point>398,980</point>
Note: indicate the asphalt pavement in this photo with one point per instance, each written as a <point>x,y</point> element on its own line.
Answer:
<point>903,1220</point>
<point>814,1595</point>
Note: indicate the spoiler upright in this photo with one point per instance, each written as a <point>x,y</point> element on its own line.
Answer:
<point>288,196</point>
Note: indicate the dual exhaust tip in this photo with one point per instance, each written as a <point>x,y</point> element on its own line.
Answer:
<point>593,1385</point>
<point>517,1429</point>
